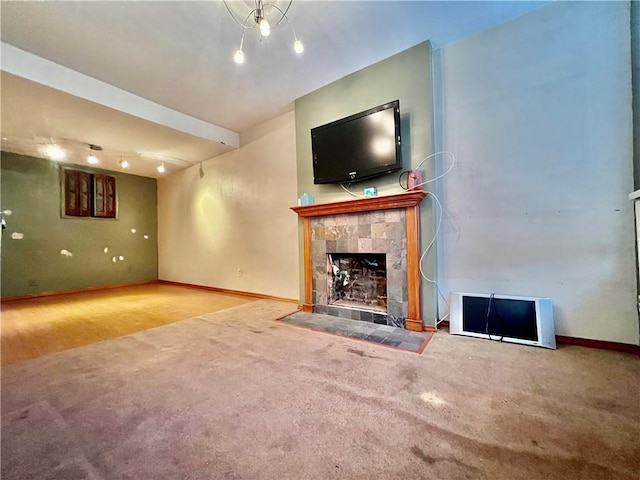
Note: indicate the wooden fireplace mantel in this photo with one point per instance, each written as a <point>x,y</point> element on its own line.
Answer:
<point>409,201</point>
<point>400,200</point>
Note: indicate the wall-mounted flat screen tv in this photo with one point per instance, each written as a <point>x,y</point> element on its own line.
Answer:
<point>358,147</point>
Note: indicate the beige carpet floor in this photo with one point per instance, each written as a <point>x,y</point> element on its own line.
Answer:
<point>238,395</point>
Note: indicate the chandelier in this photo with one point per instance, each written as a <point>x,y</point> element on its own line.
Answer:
<point>264,17</point>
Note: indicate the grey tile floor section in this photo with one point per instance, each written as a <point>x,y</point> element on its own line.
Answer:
<point>371,332</point>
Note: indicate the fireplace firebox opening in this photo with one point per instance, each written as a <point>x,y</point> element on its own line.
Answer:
<point>357,280</point>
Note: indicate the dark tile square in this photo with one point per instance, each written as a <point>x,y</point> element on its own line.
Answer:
<point>408,346</point>
<point>376,337</point>
<point>360,335</point>
<point>321,309</point>
<point>366,316</point>
<point>392,342</point>
<point>416,340</point>
<point>379,319</point>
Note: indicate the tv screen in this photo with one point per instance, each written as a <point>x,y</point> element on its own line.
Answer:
<point>502,317</point>
<point>358,147</point>
<point>509,318</point>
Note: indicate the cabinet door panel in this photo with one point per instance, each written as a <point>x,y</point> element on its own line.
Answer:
<point>84,198</point>
<point>99,209</point>
<point>110,196</point>
<point>76,193</point>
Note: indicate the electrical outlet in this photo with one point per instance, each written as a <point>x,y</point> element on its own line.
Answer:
<point>239,272</point>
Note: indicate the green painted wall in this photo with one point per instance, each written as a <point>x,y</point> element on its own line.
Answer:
<point>30,189</point>
<point>406,76</point>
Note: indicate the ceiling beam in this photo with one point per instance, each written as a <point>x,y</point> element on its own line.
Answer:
<point>26,65</point>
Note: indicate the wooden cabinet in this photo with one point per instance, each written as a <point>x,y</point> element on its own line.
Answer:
<point>104,196</point>
<point>89,194</point>
<point>77,193</point>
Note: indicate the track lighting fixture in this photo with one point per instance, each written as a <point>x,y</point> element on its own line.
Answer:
<point>92,159</point>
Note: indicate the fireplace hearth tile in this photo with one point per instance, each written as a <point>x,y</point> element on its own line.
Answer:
<point>376,337</point>
<point>381,334</point>
<point>321,309</point>
<point>395,321</point>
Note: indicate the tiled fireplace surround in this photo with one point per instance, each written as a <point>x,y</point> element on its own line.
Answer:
<point>387,225</point>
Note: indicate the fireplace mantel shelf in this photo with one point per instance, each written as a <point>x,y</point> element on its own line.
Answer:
<point>400,200</point>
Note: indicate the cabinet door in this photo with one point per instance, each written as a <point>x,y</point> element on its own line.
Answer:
<point>110,196</point>
<point>99,208</point>
<point>104,196</point>
<point>84,182</point>
<point>76,193</point>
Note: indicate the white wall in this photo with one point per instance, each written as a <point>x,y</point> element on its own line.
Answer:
<point>538,113</point>
<point>235,216</point>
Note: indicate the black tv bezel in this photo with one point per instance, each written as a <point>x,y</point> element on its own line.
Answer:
<point>371,172</point>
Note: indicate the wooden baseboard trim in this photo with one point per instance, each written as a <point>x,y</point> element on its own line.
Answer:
<point>306,307</point>
<point>429,328</point>
<point>77,290</point>
<point>586,342</point>
<point>601,344</point>
<point>230,292</point>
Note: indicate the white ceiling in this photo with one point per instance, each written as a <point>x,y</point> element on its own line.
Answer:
<point>156,79</point>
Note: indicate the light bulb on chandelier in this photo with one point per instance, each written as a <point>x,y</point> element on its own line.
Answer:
<point>265,28</point>
<point>261,22</point>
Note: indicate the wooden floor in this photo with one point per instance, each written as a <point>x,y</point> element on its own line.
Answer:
<point>40,326</point>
